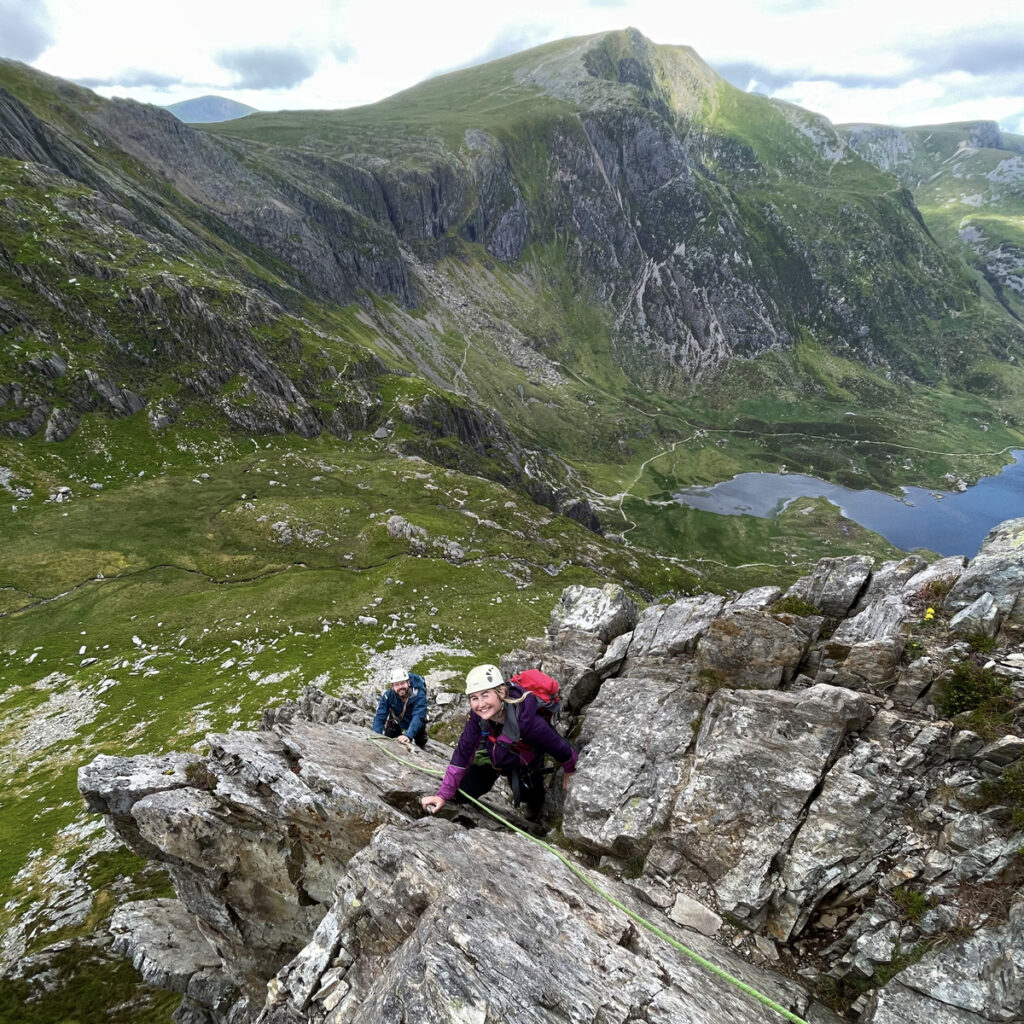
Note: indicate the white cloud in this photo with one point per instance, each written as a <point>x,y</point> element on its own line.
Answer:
<point>874,60</point>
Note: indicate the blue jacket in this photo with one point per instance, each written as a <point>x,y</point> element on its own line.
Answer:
<point>414,717</point>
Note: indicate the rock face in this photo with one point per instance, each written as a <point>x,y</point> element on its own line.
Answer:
<point>966,179</point>
<point>847,833</point>
<point>463,944</point>
<point>998,570</point>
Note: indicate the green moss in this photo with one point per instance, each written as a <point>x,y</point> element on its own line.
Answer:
<point>972,688</point>
<point>199,776</point>
<point>1008,790</point>
<point>794,606</point>
<point>912,903</point>
<point>981,643</point>
<point>89,990</point>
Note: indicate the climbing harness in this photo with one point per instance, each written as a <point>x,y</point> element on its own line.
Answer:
<point>587,880</point>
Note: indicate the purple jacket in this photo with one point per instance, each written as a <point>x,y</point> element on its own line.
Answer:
<point>536,738</point>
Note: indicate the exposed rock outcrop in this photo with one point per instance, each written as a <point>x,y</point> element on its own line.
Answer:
<point>844,830</point>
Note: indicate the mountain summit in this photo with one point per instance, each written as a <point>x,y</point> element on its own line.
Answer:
<point>206,109</point>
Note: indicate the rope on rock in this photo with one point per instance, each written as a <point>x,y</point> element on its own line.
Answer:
<point>587,880</point>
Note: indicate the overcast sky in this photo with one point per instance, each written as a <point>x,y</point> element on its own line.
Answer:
<point>900,62</point>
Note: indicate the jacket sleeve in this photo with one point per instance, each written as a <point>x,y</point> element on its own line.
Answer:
<point>541,736</point>
<point>461,759</point>
<point>417,711</point>
<point>382,714</point>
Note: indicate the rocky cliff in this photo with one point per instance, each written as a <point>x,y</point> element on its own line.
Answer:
<point>818,792</point>
<point>695,223</point>
<point>968,181</point>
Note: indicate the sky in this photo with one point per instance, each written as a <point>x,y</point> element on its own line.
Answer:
<point>897,62</point>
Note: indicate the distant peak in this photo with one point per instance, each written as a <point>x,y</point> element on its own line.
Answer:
<point>207,109</point>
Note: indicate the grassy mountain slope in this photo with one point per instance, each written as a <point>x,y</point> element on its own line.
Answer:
<point>968,181</point>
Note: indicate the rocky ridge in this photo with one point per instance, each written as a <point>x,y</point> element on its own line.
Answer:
<point>968,180</point>
<point>768,777</point>
<point>681,234</point>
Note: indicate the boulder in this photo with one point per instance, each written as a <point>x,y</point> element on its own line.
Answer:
<point>634,739</point>
<point>167,947</point>
<point>981,617</point>
<point>1001,752</point>
<point>606,612</point>
<point>915,681</point>
<point>864,815</point>
<point>872,665</point>
<point>926,587</point>
<point>664,633</point>
<point>879,619</point>
<point>432,924</point>
<point>997,569</point>
<point>978,978</point>
<point>835,584</point>
<point>255,836</point>
<point>750,649</point>
<point>888,578</point>
<point>759,756</point>
<point>757,599</point>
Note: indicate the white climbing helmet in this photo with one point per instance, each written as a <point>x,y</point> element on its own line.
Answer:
<point>483,677</point>
<point>398,675</point>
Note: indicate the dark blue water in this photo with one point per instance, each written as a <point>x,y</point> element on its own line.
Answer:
<point>942,521</point>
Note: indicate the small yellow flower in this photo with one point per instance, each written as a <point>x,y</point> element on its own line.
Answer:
<point>929,614</point>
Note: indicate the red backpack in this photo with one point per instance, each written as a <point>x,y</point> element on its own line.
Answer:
<point>543,687</point>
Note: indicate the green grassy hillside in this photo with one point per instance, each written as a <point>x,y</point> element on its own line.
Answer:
<point>968,181</point>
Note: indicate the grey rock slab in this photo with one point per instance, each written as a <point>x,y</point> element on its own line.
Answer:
<point>431,926</point>
<point>163,941</point>
<point>607,611</point>
<point>915,680</point>
<point>982,616</point>
<point>568,657</point>
<point>1003,751</point>
<point>879,619</point>
<point>256,852</point>
<point>940,574</point>
<point>633,742</point>
<point>611,661</point>
<point>896,1004</point>
<point>835,584</point>
<point>861,816</point>
<point>982,974</point>
<point>888,578</point>
<point>693,914</point>
<point>668,631</point>
<point>757,599</point>
<point>997,569</point>
<point>871,664</point>
<point>747,648</point>
<point>111,785</point>
<point>759,757</point>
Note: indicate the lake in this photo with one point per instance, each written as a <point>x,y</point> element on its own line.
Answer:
<point>948,522</point>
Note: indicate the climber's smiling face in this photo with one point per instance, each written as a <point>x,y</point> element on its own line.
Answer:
<point>487,703</point>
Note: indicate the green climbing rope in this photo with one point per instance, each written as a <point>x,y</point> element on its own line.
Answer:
<point>587,880</point>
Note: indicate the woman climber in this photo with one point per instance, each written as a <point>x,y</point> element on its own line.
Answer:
<point>507,727</point>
